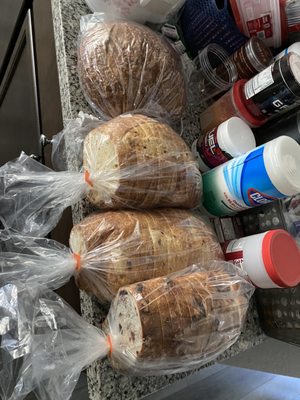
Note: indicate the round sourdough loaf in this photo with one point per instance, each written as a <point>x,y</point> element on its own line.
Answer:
<point>140,162</point>
<point>122,247</point>
<point>176,323</point>
<point>124,66</point>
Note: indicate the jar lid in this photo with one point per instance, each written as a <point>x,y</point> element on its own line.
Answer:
<point>281,258</point>
<point>238,98</point>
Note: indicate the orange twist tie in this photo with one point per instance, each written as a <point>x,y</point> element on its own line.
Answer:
<point>87,178</point>
<point>78,261</point>
<point>110,345</point>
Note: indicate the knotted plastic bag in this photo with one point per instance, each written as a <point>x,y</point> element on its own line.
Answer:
<point>110,250</point>
<point>146,331</point>
<point>132,161</point>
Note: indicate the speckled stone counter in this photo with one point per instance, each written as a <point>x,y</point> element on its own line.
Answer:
<point>103,382</point>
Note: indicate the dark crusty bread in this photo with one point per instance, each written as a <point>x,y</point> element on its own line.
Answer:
<point>173,321</point>
<point>123,247</point>
<point>140,162</point>
<point>124,66</point>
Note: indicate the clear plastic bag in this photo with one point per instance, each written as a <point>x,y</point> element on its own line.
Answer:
<point>146,332</point>
<point>71,139</point>
<point>110,250</point>
<point>132,161</point>
<point>124,66</point>
<point>155,11</point>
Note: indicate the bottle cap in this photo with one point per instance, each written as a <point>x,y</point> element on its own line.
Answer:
<point>243,110</point>
<point>236,137</point>
<point>281,257</point>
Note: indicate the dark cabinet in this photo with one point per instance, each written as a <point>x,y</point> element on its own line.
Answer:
<point>19,111</point>
<point>30,101</point>
<point>10,13</point>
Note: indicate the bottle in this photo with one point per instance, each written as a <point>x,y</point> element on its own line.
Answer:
<point>230,139</point>
<point>294,48</point>
<point>288,126</point>
<point>251,58</point>
<point>261,176</point>
<point>270,259</point>
<point>277,88</point>
<point>232,104</point>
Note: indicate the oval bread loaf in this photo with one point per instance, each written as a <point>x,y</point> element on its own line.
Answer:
<point>122,247</point>
<point>177,322</point>
<point>124,66</point>
<point>140,162</point>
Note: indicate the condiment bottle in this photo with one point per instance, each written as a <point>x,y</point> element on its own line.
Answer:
<point>270,259</point>
<point>232,104</point>
<point>261,176</point>
<point>230,139</point>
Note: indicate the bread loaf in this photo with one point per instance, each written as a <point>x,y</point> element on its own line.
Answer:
<point>124,66</point>
<point>122,247</point>
<point>140,162</point>
<point>177,322</point>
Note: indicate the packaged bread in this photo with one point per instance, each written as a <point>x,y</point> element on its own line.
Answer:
<point>112,249</point>
<point>132,161</point>
<point>157,327</point>
<point>124,66</point>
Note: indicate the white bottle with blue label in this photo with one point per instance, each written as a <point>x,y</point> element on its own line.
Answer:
<point>293,48</point>
<point>265,174</point>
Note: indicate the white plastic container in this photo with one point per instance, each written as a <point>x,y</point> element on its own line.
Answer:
<point>270,259</point>
<point>267,173</point>
<point>230,139</point>
<point>293,48</point>
<point>155,11</point>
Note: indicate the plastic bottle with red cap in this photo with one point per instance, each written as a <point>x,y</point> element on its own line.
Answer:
<point>270,259</point>
<point>232,104</point>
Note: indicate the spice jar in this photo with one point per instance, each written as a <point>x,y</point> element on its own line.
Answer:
<point>232,104</point>
<point>277,88</point>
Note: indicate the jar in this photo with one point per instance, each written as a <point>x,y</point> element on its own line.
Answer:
<point>232,104</point>
<point>261,176</point>
<point>230,139</point>
<point>277,88</point>
<point>270,259</point>
<point>251,58</point>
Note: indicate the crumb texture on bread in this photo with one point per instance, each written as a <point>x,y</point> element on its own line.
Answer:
<point>140,162</point>
<point>122,247</point>
<point>178,322</point>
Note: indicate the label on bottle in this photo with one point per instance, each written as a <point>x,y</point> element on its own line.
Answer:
<point>233,251</point>
<point>239,184</point>
<point>208,149</point>
<point>260,82</point>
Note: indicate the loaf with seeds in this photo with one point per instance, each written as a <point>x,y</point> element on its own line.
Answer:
<point>124,66</point>
<point>139,162</point>
<point>176,321</point>
<point>122,247</point>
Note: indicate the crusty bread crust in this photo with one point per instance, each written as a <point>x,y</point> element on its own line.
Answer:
<point>140,162</point>
<point>123,247</point>
<point>124,66</point>
<point>173,320</point>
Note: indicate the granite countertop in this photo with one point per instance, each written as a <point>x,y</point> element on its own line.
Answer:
<point>103,382</point>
